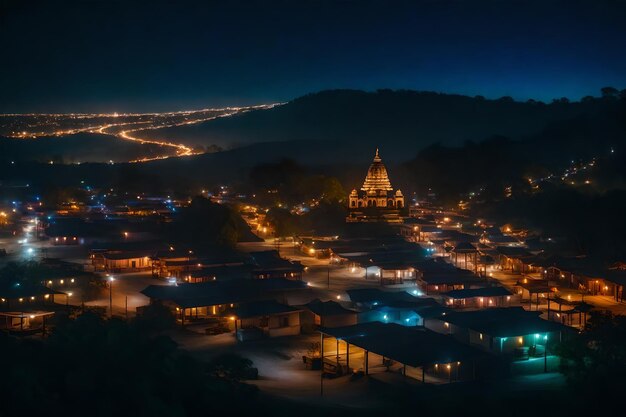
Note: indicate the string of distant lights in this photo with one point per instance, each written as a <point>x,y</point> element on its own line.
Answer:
<point>180,149</point>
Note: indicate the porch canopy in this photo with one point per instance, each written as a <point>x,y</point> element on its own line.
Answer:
<point>464,247</point>
<point>408,345</point>
<point>535,286</point>
<point>25,314</point>
<point>25,318</point>
<point>560,301</point>
<point>515,252</point>
<point>477,292</point>
<point>579,308</point>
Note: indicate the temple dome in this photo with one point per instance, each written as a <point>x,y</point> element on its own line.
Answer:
<point>377,178</point>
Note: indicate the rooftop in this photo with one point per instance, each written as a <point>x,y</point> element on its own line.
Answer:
<point>220,292</point>
<point>328,308</point>
<point>477,292</point>
<point>259,309</point>
<point>503,322</point>
<point>408,345</point>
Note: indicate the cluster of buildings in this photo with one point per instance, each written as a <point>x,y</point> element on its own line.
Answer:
<point>372,329</point>
<point>438,299</point>
<point>28,306</point>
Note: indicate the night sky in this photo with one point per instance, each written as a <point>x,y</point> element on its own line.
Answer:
<point>152,56</point>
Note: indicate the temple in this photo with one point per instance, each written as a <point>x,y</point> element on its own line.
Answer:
<point>376,202</point>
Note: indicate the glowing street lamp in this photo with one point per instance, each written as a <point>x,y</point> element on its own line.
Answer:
<point>111,279</point>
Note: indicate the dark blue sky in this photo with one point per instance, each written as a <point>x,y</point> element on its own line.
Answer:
<point>144,56</point>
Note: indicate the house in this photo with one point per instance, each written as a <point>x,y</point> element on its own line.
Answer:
<point>227,265</point>
<point>25,322</point>
<point>511,332</point>
<point>269,264</point>
<point>538,288</point>
<point>419,230</point>
<point>438,280</point>
<point>218,272</point>
<point>328,314</point>
<point>69,231</point>
<point>173,263</point>
<point>389,261</point>
<point>478,297</point>
<point>464,249</point>
<point>203,301</point>
<point>26,308</point>
<point>317,247</point>
<point>586,275</point>
<point>408,352</point>
<point>187,265</point>
<point>512,258</point>
<point>497,238</point>
<point>122,257</point>
<point>266,318</point>
<point>22,295</point>
<point>393,307</point>
<point>367,298</point>
<point>126,261</point>
<point>405,313</point>
<point>568,312</point>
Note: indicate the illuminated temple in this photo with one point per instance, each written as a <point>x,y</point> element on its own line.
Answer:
<point>376,201</point>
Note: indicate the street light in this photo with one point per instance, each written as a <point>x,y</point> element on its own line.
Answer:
<point>111,279</point>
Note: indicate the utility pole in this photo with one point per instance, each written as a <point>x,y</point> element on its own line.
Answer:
<point>328,277</point>
<point>111,279</point>
<point>322,360</point>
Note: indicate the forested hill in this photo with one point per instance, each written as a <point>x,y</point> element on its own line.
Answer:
<point>403,120</point>
<point>337,132</point>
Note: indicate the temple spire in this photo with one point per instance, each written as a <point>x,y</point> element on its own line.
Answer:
<point>377,180</point>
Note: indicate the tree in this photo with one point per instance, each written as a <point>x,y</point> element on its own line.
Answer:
<point>609,92</point>
<point>232,367</point>
<point>595,361</point>
<point>113,367</point>
<point>204,223</point>
<point>155,317</point>
<point>332,190</point>
<point>285,224</point>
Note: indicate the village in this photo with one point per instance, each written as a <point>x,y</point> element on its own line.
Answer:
<point>436,297</point>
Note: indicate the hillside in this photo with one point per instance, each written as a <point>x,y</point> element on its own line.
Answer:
<point>79,147</point>
<point>537,137</point>
<point>404,120</point>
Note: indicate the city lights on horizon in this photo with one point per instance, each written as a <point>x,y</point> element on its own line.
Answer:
<point>136,126</point>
